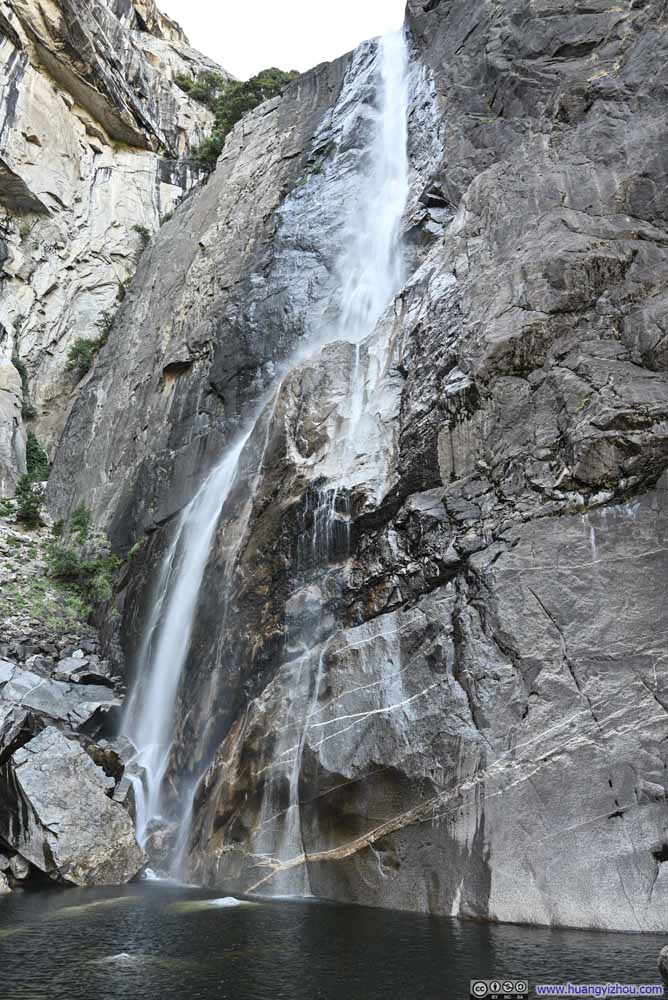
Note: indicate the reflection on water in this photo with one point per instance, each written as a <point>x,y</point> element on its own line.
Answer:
<point>86,908</point>
<point>6,932</point>
<point>157,941</point>
<point>194,905</point>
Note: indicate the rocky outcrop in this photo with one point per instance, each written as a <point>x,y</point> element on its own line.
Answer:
<point>12,441</point>
<point>94,144</point>
<point>65,810</point>
<point>65,794</point>
<point>143,15</point>
<point>57,814</point>
<point>430,668</point>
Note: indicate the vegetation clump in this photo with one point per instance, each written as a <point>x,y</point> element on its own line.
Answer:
<point>230,101</point>
<point>30,489</point>
<point>136,549</point>
<point>144,235</point>
<point>84,560</point>
<point>207,88</point>
<point>83,351</point>
<point>30,601</point>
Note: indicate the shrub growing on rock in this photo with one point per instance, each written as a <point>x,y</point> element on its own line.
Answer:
<point>81,356</point>
<point>84,559</point>
<point>144,235</point>
<point>93,572</point>
<point>81,523</point>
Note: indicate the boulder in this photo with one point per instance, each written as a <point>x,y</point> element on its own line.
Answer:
<point>56,700</point>
<point>663,964</point>
<point>19,868</point>
<point>7,668</point>
<point>83,670</point>
<point>59,815</point>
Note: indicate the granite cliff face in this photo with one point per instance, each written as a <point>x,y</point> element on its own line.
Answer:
<point>427,671</point>
<point>94,143</point>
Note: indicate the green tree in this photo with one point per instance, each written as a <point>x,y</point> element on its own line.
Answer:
<point>30,501</point>
<point>206,89</point>
<point>81,523</point>
<point>37,460</point>
<point>233,101</point>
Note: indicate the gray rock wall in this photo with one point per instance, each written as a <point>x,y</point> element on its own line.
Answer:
<point>94,144</point>
<point>198,344</point>
<point>463,710</point>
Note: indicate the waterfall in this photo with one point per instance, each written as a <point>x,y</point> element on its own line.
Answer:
<point>149,718</point>
<point>369,273</point>
<point>371,266</point>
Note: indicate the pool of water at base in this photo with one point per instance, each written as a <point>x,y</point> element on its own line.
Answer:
<point>158,941</point>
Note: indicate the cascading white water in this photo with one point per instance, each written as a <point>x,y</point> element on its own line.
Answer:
<point>369,272</point>
<point>149,718</point>
<point>371,266</point>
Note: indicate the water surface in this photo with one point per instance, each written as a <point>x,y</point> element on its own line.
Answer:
<point>157,941</point>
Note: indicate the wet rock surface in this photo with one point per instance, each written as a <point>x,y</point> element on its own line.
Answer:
<point>455,702</point>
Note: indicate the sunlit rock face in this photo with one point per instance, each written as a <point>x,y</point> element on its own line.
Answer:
<point>94,140</point>
<point>428,669</point>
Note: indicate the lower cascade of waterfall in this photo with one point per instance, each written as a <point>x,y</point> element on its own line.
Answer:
<point>370,271</point>
<point>150,712</point>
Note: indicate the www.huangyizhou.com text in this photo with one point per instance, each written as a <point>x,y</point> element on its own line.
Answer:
<point>599,990</point>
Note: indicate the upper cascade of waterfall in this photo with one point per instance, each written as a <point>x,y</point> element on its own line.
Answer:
<point>371,265</point>
<point>369,270</point>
